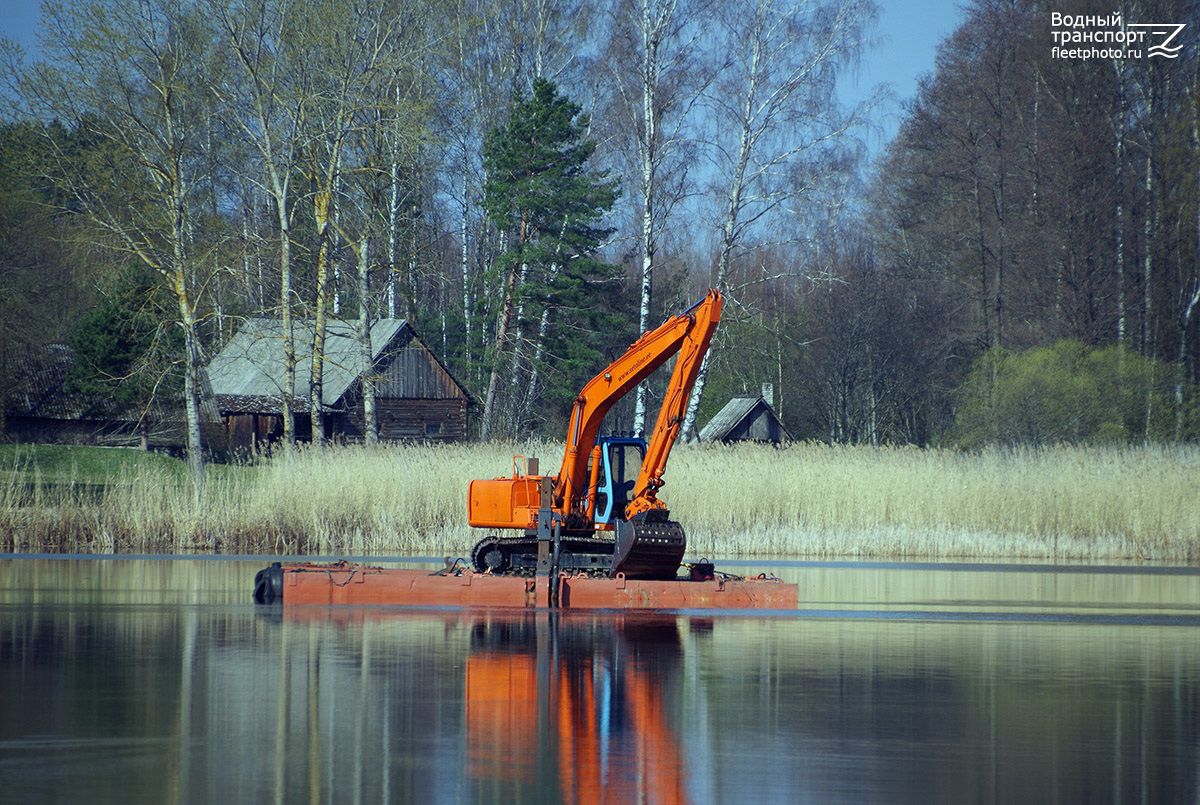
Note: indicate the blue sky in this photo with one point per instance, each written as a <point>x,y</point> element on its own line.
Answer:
<point>909,32</point>
<point>20,20</point>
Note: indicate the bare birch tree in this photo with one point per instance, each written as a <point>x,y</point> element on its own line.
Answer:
<point>351,58</point>
<point>382,137</point>
<point>774,116</point>
<point>131,75</point>
<point>657,79</point>
<point>265,94</point>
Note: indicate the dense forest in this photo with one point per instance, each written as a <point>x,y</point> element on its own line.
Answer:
<point>536,182</point>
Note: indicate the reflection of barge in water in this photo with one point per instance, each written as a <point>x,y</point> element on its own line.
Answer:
<point>344,583</point>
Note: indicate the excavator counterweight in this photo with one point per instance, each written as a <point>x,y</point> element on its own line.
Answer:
<point>600,513</point>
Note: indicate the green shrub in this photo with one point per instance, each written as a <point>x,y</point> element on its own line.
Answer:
<point>1069,393</point>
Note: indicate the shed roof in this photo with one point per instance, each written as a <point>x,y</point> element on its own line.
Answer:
<point>250,368</point>
<point>733,414</point>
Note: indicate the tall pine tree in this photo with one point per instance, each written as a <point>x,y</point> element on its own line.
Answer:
<point>541,196</point>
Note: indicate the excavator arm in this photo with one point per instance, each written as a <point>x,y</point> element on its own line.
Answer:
<point>557,514</point>
<point>687,334</point>
<point>705,317</point>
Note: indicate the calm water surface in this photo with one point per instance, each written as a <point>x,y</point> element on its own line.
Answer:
<point>155,680</point>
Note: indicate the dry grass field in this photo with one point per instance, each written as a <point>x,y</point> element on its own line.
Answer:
<point>805,500</point>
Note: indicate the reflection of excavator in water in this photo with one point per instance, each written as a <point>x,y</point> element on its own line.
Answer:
<point>566,519</point>
<point>574,710</point>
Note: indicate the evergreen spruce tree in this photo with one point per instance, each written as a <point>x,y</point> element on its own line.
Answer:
<point>125,343</point>
<point>554,294</point>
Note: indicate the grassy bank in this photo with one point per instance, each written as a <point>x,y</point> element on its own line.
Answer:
<point>806,500</point>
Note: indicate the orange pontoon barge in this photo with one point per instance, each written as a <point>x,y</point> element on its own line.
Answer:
<point>343,583</point>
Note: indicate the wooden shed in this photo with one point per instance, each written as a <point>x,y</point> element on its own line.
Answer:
<point>41,407</point>
<point>746,418</point>
<point>416,396</point>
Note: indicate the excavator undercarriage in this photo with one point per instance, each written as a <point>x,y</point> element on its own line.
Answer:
<point>643,548</point>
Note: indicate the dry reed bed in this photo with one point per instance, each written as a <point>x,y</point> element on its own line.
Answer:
<point>1060,503</point>
<point>1052,503</point>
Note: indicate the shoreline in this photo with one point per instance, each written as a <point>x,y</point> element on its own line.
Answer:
<point>801,502</point>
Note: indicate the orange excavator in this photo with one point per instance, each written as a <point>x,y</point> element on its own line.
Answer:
<point>601,514</point>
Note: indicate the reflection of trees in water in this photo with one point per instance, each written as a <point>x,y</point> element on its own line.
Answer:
<point>139,701</point>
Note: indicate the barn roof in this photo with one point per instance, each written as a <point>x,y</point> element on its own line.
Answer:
<point>733,414</point>
<point>248,373</point>
<point>40,390</point>
<point>39,381</point>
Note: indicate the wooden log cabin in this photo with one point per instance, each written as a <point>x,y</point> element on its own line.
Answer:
<point>417,399</point>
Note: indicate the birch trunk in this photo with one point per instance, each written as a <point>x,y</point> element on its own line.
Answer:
<point>335,246</point>
<point>688,430</point>
<point>370,420</point>
<point>506,312</point>
<point>1120,211</point>
<point>649,155</point>
<point>287,393</point>
<point>272,127</point>
<point>728,241</point>
<point>393,223</point>
<point>321,203</point>
<point>191,356</point>
<point>508,308</point>
<point>518,358</point>
<point>639,408</point>
<point>466,278</point>
<point>191,390</point>
<point>1185,321</point>
<point>247,274</point>
<point>729,227</point>
<point>1148,297</point>
<point>539,352</point>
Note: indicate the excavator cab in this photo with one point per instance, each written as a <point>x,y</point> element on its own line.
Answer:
<point>620,462</point>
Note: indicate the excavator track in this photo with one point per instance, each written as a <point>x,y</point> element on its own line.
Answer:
<point>641,550</point>
<point>518,555</point>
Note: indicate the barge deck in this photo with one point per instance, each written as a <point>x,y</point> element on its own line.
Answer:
<point>345,583</point>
